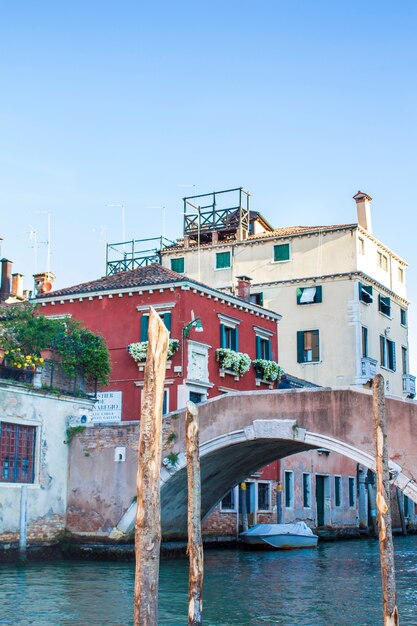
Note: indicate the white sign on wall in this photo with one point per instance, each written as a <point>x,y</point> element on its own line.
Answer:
<point>108,407</point>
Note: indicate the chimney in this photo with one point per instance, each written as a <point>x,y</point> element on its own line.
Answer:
<point>243,287</point>
<point>363,204</point>
<point>6,279</point>
<point>43,282</point>
<point>17,285</point>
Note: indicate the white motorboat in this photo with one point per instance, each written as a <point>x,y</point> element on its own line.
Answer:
<point>280,536</point>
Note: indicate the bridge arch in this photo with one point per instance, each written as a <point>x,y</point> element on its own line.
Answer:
<point>240,433</point>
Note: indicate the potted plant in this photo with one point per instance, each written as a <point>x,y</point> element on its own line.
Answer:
<point>236,362</point>
<point>267,370</point>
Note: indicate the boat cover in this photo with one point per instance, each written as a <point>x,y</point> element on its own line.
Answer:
<point>265,530</point>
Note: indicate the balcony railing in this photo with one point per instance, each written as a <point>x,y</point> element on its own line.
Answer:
<point>368,367</point>
<point>409,384</point>
<point>51,376</point>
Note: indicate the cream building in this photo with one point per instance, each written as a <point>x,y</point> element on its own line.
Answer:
<point>340,291</point>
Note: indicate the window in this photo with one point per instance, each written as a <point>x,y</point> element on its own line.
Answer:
<point>17,453</point>
<point>338,491</point>
<point>308,346</point>
<point>401,274</point>
<point>351,491</point>
<point>364,342</point>
<point>165,403</point>
<point>306,491</point>
<point>282,252</point>
<point>177,265</point>
<point>196,397</point>
<point>144,323</point>
<point>309,295</point>
<point>222,260</point>
<point>403,317</point>
<point>387,353</point>
<point>382,261</point>
<point>289,489</point>
<point>365,293</point>
<point>263,348</point>
<point>228,503</point>
<point>404,355</point>
<point>384,305</point>
<point>264,496</point>
<point>257,298</point>
<point>229,337</point>
<point>361,245</point>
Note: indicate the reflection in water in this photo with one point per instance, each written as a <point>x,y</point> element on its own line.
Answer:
<point>339,583</point>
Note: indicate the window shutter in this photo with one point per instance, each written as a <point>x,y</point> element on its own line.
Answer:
<point>393,358</point>
<point>269,350</point>
<point>300,346</point>
<point>222,336</point>
<point>299,293</point>
<point>315,345</point>
<point>166,318</point>
<point>318,297</point>
<point>261,299</point>
<point>144,323</point>
<point>235,340</point>
<point>258,347</point>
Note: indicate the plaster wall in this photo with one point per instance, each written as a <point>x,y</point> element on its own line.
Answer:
<point>47,496</point>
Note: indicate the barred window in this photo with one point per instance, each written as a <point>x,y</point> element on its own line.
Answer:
<point>17,453</point>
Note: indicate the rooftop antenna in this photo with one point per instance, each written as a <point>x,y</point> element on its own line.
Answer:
<point>33,236</point>
<point>48,241</point>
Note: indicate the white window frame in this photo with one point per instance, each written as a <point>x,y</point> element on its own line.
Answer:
<point>291,494</point>
<point>264,482</point>
<point>235,497</point>
<point>308,506</point>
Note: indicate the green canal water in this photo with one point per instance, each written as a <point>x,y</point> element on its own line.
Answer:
<point>337,584</point>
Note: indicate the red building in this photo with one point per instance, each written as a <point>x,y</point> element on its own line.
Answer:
<point>117,307</point>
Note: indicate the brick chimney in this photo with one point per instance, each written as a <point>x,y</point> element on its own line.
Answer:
<point>43,282</point>
<point>363,204</point>
<point>6,279</point>
<point>17,285</point>
<point>243,287</point>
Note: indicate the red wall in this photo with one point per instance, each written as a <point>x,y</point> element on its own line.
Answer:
<point>116,318</point>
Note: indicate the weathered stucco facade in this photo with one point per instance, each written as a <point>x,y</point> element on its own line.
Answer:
<point>48,416</point>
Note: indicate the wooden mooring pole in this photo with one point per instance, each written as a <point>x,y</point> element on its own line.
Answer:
<point>386,547</point>
<point>195,542</point>
<point>148,516</point>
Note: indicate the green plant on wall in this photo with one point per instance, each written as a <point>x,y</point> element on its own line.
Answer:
<point>72,431</point>
<point>24,333</point>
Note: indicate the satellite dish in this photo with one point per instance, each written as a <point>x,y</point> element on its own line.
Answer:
<point>47,286</point>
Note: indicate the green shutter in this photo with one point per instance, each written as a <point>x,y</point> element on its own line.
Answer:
<point>282,252</point>
<point>166,318</point>
<point>177,265</point>
<point>299,293</point>
<point>222,260</point>
<point>315,345</point>
<point>235,340</point>
<point>300,346</point>
<point>319,296</point>
<point>144,323</point>
<point>222,336</point>
<point>258,347</point>
<point>269,349</point>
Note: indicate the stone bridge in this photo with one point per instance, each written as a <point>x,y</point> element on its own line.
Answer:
<point>242,432</point>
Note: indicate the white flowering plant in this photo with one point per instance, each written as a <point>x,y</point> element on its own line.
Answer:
<point>138,350</point>
<point>267,370</point>
<point>237,362</point>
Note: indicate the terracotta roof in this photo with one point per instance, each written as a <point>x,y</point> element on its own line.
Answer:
<point>285,231</point>
<point>144,277</point>
<point>298,230</point>
<point>139,277</point>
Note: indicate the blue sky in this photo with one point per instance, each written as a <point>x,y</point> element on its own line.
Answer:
<point>302,103</point>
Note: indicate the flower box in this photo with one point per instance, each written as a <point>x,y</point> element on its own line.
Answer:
<point>138,350</point>
<point>236,363</point>
<point>267,371</point>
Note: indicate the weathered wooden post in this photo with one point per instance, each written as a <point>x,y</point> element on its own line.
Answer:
<point>148,516</point>
<point>23,522</point>
<point>195,542</point>
<point>243,506</point>
<point>386,547</point>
